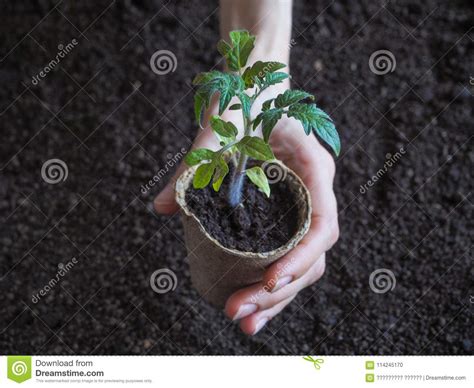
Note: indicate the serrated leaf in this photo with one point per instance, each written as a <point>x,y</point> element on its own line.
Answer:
<point>223,141</point>
<point>242,45</point>
<point>227,85</point>
<point>313,118</point>
<point>203,175</point>
<point>258,177</point>
<point>326,130</point>
<point>291,96</point>
<point>235,107</point>
<point>246,103</point>
<point>236,53</point>
<point>199,104</point>
<point>228,90</point>
<point>269,118</point>
<point>275,78</point>
<point>257,121</point>
<point>259,70</point>
<point>222,169</point>
<point>255,147</point>
<point>226,94</point>
<point>225,49</point>
<point>197,156</point>
<point>223,128</point>
<point>267,104</point>
<point>205,77</point>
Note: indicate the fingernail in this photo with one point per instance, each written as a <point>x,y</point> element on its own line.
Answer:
<point>262,322</point>
<point>244,310</point>
<point>282,282</point>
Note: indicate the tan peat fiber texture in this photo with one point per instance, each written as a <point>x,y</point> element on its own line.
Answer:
<point>217,271</point>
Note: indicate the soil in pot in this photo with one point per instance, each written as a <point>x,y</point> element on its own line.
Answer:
<point>259,224</point>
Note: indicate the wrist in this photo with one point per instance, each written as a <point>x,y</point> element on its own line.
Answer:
<point>267,51</point>
<point>268,20</point>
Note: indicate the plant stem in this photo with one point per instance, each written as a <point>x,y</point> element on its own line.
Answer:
<point>235,192</point>
<point>236,185</point>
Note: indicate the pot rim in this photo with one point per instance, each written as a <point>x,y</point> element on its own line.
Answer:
<point>182,185</point>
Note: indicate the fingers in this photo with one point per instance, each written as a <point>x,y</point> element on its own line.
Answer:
<point>318,175</point>
<point>252,324</point>
<point>165,202</point>
<point>320,238</point>
<point>257,298</point>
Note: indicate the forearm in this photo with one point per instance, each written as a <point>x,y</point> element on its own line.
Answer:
<point>269,20</point>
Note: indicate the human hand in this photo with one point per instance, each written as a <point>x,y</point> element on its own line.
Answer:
<point>254,306</point>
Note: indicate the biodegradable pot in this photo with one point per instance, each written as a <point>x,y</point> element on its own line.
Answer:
<point>217,271</point>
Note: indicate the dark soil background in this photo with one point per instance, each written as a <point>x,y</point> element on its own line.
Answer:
<point>115,123</point>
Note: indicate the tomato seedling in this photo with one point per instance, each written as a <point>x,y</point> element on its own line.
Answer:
<point>246,84</point>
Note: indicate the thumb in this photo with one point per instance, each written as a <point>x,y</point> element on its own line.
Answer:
<point>165,202</point>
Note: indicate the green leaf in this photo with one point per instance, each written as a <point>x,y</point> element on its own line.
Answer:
<point>243,44</point>
<point>223,128</point>
<point>197,156</point>
<point>326,130</point>
<point>225,49</point>
<point>258,177</point>
<point>269,118</point>
<point>237,52</point>
<point>203,175</point>
<point>257,121</point>
<point>313,118</point>
<point>227,85</point>
<point>223,141</point>
<point>222,169</point>
<point>255,147</point>
<point>291,96</point>
<point>259,70</point>
<point>205,77</point>
<point>199,104</point>
<point>275,78</point>
<point>232,86</point>
<point>267,104</point>
<point>235,107</point>
<point>246,103</point>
